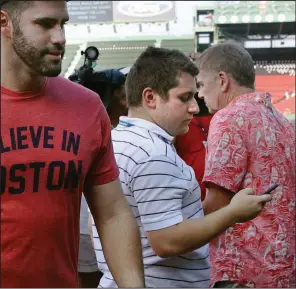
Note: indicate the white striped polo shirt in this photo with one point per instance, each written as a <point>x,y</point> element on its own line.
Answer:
<point>162,191</point>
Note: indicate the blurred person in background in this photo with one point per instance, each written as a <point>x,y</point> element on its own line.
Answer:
<point>89,274</point>
<point>118,105</point>
<point>250,144</point>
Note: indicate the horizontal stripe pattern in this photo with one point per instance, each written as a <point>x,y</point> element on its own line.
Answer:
<point>162,191</point>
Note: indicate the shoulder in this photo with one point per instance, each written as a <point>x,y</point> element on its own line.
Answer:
<point>233,118</point>
<point>136,141</point>
<point>139,146</point>
<point>74,93</point>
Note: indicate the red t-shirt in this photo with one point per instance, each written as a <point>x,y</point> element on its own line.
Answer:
<point>251,144</point>
<point>50,142</point>
<point>191,147</point>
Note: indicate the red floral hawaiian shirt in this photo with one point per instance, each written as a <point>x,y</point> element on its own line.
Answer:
<point>250,144</point>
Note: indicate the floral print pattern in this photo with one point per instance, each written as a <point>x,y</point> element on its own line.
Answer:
<point>251,144</point>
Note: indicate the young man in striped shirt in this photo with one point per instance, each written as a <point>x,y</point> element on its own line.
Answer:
<point>160,188</point>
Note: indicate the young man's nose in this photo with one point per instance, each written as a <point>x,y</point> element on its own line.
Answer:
<point>194,108</point>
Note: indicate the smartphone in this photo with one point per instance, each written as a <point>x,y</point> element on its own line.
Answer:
<point>273,187</point>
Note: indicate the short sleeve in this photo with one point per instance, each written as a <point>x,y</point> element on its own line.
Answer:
<point>104,168</point>
<point>159,192</point>
<point>226,158</point>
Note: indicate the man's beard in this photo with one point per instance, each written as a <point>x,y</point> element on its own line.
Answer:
<point>33,57</point>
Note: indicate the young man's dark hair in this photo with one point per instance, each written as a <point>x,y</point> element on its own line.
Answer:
<point>157,68</point>
<point>15,8</point>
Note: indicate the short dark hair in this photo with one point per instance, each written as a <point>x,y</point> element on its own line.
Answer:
<point>232,58</point>
<point>15,8</point>
<point>158,69</point>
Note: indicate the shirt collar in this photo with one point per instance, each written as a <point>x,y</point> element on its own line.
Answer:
<point>148,125</point>
<point>259,97</point>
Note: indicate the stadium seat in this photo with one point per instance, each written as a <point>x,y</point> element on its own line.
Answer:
<point>275,67</point>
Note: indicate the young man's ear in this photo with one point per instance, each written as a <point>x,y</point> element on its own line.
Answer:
<point>149,98</point>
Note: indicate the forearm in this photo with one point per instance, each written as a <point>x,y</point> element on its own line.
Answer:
<point>209,207</point>
<point>122,249</point>
<point>216,198</point>
<point>195,233</point>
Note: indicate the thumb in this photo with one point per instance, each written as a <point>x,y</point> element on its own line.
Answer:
<point>247,191</point>
<point>265,198</point>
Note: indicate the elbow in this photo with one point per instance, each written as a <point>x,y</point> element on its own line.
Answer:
<point>165,249</point>
<point>206,208</point>
<point>168,242</point>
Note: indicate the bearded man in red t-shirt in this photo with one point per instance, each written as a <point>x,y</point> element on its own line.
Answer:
<point>55,143</point>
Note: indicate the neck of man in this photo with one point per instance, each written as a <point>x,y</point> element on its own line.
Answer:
<point>17,76</point>
<point>139,112</point>
<point>238,91</point>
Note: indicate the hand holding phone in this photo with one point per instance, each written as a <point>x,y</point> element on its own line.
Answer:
<point>268,191</point>
<point>245,205</point>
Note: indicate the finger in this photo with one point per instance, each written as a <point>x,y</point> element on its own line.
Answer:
<point>262,204</point>
<point>247,191</point>
<point>265,198</point>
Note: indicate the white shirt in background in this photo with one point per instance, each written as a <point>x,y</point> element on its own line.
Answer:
<point>84,214</point>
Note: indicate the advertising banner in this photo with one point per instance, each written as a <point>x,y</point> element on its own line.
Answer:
<point>90,11</point>
<point>143,11</point>
<point>121,11</point>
